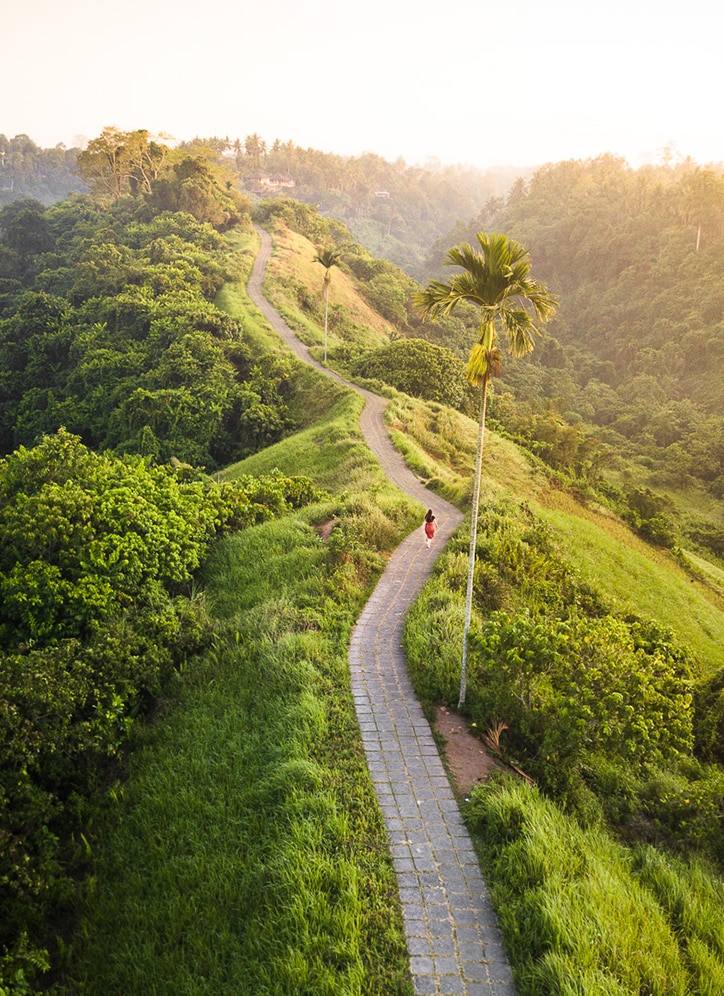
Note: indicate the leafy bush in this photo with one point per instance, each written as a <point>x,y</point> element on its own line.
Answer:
<point>709,700</point>
<point>118,338</point>
<point>418,368</point>
<point>571,687</point>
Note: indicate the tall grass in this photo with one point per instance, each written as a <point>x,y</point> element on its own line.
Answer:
<point>582,915</point>
<point>330,451</point>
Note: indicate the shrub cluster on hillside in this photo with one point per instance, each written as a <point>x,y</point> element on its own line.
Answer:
<point>107,318</point>
<point>606,713</point>
<point>111,330</point>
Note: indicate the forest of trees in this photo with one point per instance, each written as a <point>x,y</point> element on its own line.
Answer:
<point>394,209</point>
<point>637,349</point>
<point>632,366</point>
<point>107,320</point>
<point>47,175</point>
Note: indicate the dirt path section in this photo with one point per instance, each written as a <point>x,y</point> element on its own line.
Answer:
<point>469,762</point>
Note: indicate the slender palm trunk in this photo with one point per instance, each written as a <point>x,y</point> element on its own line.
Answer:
<point>473,540</point>
<point>326,311</point>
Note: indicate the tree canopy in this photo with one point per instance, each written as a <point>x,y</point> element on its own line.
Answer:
<point>108,326</point>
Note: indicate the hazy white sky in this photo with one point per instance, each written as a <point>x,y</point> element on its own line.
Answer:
<point>486,82</point>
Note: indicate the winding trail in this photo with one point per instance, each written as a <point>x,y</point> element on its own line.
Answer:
<point>453,940</point>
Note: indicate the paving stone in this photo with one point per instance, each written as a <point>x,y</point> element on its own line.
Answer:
<point>443,946</point>
<point>470,952</point>
<point>447,965</point>
<point>475,971</point>
<point>501,989</point>
<point>468,935</point>
<point>451,986</point>
<point>424,985</point>
<point>412,896</point>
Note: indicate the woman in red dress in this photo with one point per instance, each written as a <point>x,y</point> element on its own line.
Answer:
<point>429,526</point>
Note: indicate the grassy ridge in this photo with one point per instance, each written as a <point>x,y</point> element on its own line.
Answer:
<point>248,854</point>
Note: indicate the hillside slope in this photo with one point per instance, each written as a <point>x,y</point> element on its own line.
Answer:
<point>439,444</point>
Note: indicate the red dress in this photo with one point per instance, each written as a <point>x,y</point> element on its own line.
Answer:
<point>429,529</point>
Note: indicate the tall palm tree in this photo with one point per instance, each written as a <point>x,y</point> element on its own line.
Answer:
<point>496,278</point>
<point>328,258</point>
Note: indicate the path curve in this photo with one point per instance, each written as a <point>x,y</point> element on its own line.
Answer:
<point>453,940</point>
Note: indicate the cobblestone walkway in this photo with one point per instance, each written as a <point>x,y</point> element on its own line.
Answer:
<point>453,939</point>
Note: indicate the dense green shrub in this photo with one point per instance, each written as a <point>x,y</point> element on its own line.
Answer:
<point>601,710</point>
<point>116,335</point>
<point>418,368</point>
<point>709,700</point>
<point>571,687</point>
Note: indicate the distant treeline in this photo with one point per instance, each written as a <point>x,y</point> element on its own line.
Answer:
<point>47,175</point>
<point>394,209</point>
<point>637,348</point>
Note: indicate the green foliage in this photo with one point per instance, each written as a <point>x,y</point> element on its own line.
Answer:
<point>636,256</point>
<point>578,686</point>
<point>27,171</point>
<point>565,447</point>
<point>710,719</point>
<point>118,338</point>
<point>120,163</point>
<point>192,186</point>
<point>299,217</point>
<point>419,368</point>
<point>646,512</point>
<point>84,534</point>
<point>602,710</point>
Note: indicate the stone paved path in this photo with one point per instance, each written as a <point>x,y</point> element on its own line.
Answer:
<point>453,939</point>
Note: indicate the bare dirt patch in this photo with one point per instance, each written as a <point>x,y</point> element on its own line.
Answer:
<point>468,760</point>
<point>326,528</point>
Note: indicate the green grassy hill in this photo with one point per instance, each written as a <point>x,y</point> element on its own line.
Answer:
<point>633,575</point>
<point>248,815</point>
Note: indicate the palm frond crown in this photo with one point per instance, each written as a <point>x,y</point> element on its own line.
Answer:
<point>496,278</point>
